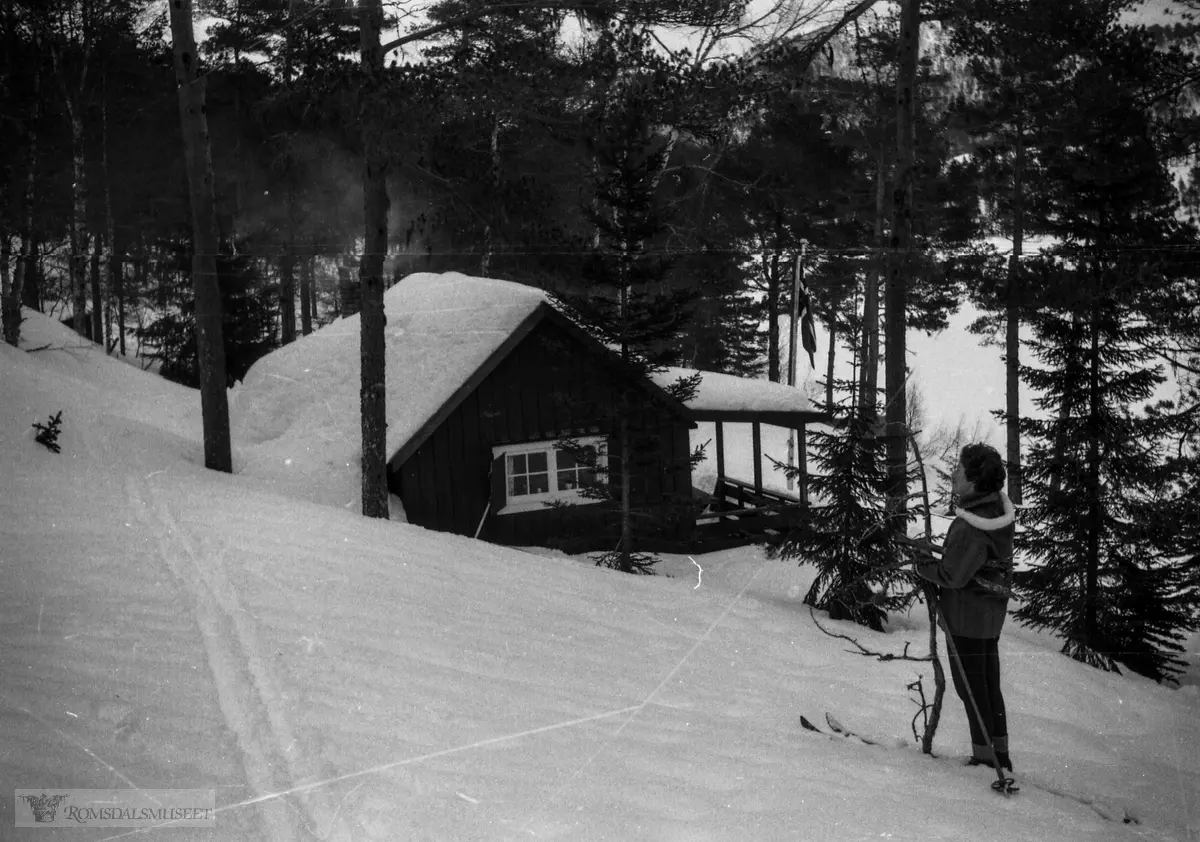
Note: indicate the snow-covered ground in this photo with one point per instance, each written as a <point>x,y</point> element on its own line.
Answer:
<point>332,677</point>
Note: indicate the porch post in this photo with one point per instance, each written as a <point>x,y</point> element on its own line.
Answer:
<point>720,453</point>
<point>802,463</point>
<point>757,457</point>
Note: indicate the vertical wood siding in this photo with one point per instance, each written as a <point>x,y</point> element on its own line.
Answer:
<point>549,387</point>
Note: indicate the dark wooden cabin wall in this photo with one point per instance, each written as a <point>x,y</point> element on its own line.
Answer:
<point>548,387</point>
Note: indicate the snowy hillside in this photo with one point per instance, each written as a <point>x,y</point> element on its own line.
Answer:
<point>332,677</point>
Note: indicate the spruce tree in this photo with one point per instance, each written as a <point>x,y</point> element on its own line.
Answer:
<point>846,535</point>
<point>1106,571</point>
<point>628,302</point>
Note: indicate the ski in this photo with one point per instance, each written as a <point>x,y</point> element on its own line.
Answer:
<point>838,728</point>
<point>1004,785</point>
<point>1106,808</point>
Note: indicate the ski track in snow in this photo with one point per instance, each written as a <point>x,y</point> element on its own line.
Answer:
<point>1110,809</point>
<point>252,707</point>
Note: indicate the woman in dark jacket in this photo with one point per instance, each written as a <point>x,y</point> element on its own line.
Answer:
<point>974,576</point>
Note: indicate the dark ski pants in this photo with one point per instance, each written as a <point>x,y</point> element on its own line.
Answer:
<point>980,661</point>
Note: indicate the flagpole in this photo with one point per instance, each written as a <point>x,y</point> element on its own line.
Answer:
<point>796,275</point>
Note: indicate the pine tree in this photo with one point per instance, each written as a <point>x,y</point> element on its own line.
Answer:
<point>1020,54</point>
<point>1103,572</point>
<point>628,302</point>
<point>846,534</point>
<point>500,160</point>
<point>1107,574</point>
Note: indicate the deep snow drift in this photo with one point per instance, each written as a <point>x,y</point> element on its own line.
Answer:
<point>331,677</point>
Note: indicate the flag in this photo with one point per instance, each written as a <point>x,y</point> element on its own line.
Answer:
<point>808,334</point>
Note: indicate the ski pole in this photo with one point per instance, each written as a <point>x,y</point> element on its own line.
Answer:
<point>1003,784</point>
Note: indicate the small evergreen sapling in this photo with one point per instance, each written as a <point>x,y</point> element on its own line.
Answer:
<point>48,433</point>
<point>848,536</point>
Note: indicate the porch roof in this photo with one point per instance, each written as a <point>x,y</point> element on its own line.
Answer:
<point>727,397</point>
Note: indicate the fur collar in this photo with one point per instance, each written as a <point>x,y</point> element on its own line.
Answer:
<point>988,524</point>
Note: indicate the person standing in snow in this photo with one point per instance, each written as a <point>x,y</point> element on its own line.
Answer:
<point>974,578</point>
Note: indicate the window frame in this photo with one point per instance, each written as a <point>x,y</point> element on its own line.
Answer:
<point>537,502</point>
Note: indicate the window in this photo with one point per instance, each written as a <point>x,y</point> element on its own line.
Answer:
<point>538,473</point>
<point>528,474</point>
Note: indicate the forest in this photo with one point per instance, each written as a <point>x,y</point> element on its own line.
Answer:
<point>686,162</point>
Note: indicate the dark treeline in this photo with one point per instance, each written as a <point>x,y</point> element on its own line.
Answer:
<point>579,147</point>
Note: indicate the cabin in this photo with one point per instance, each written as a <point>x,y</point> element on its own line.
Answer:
<point>487,461</point>
<point>486,380</point>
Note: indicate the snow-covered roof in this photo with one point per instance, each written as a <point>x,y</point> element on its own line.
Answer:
<point>440,329</point>
<point>729,395</point>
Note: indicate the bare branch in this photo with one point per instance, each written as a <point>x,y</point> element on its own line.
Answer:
<point>484,11</point>
<point>811,49</point>
<point>862,650</point>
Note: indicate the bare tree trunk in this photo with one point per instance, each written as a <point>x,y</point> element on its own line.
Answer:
<point>5,250</point>
<point>306,284</point>
<point>10,305</point>
<point>771,268</point>
<point>31,285</point>
<point>829,364</point>
<point>287,295</point>
<point>1095,520</point>
<point>489,245</point>
<point>312,263</point>
<point>78,224</point>
<point>107,237</point>
<point>349,294</point>
<point>97,326</point>
<point>287,262</point>
<point>140,271</point>
<point>115,257</point>
<point>210,347</point>
<point>869,373</point>
<point>79,232</point>
<point>373,395</point>
<point>901,263</point>
<point>1012,326</point>
<point>7,300</point>
<point>625,564</point>
<point>116,280</point>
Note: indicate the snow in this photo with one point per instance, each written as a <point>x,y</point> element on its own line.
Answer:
<point>296,413</point>
<point>723,392</point>
<point>333,677</point>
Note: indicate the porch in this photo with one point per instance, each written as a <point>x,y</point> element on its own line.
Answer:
<point>739,511</point>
